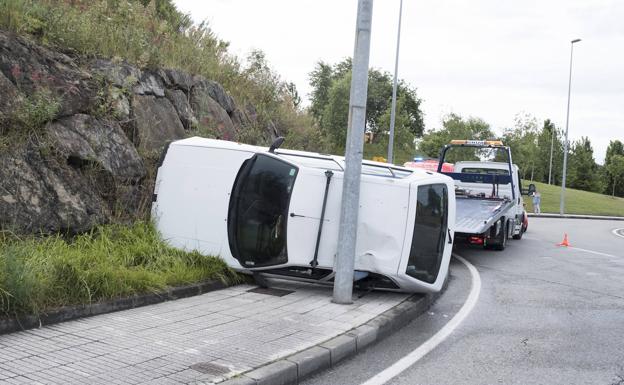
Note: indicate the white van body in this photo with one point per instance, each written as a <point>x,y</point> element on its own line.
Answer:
<point>218,197</point>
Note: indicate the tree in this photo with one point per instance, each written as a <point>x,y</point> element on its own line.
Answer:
<point>330,101</point>
<point>292,93</point>
<point>321,81</point>
<point>523,139</point>
<point>548,134</point>
<point>615,148</point>
<point>454,127</point>
<point>336,113</point>
<point>582,169</point>
<point>404,146</point>
<point>615,170</point>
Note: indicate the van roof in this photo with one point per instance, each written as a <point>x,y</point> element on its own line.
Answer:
<point>307,159</point>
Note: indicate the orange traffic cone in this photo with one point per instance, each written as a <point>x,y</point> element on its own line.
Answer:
<point>565,241</point>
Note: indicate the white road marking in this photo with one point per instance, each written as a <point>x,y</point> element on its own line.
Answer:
<point>618,232</point>
<point>435,340</point>
<point>593,252</point>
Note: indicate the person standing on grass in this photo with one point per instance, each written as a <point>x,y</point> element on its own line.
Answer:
<point>537,199</point>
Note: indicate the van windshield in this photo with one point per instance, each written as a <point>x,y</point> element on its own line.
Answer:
<point>430,228</point>
<point>258,211</point>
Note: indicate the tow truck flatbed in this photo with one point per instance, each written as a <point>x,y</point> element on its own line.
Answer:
<point>475,214</point>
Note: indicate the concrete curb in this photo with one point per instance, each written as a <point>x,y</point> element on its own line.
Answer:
<point>576,216</point>
<point>67,313</point>
<point>293,369</point>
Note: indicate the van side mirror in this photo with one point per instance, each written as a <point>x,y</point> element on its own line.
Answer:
<point>532,189</point>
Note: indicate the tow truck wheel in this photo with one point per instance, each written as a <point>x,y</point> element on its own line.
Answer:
<point>500,241</point>
<point>519,235</point>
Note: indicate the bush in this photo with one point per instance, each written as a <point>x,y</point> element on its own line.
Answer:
<point>111,261</point>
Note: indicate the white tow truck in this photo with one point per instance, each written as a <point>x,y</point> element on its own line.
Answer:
<point>488,193</point>
<point>276,213</point>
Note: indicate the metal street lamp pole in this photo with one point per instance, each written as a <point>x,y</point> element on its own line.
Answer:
<point>552,141</point>
<point>347,235</point>
<point>394,91</point>
<point>565,145</point>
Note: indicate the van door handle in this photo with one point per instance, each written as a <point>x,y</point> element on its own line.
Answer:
<point>450,241</point>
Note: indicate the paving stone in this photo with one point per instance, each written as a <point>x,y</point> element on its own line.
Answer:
<point>232,328</point>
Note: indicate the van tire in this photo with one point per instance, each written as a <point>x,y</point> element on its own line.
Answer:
<point>260,280</point>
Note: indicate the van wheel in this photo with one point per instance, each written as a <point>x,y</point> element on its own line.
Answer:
<point>260,280</point>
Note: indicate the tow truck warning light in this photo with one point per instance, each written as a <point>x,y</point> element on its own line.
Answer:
<point>477,142</point>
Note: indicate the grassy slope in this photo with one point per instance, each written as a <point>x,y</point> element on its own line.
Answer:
<point>112,261</point>
<point>577,201</point>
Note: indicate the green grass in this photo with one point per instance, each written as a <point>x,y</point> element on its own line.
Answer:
<point>577,201</point>
<point>111,261</point>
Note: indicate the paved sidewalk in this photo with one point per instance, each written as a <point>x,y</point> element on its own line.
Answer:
<point>202,339</point>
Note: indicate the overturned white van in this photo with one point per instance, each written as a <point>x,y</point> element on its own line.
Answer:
<point>278,213</point>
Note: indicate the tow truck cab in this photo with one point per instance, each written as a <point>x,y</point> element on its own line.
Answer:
<point>278,214</point>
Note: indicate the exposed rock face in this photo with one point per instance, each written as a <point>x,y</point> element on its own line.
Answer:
<point>211,114</point>
<point>216,92</point>
<point>178,80</point>
<point>156,122</point>
<point>180,102</point>
<point>40,194</point>
<point>119,75</point>
<point>9,97</point>
<point>30,67</point>
<point>85,167</point>
<point>85,139</point>
<point>150,84</point>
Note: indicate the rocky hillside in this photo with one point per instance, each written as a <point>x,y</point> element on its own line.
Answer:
<point>79,137</point>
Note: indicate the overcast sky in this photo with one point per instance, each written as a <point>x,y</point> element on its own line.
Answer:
<point>490,59</point>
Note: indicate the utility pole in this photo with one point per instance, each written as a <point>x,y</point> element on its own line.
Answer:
<point>565,145</point>
<point>347,236</point>
<point>394,91</point>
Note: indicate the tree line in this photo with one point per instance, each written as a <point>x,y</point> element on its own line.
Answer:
<point>537,147</point>
<point>538,150</point>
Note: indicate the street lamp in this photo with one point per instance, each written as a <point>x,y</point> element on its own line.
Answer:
<point>394,91</point>
<point>565,145</point>
<point>552,142</point>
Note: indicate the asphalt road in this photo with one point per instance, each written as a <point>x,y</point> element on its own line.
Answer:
<point>545,315</point>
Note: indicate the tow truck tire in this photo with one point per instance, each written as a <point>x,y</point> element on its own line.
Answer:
<point>500,242</point>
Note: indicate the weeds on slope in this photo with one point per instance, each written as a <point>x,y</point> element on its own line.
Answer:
<point>111,261</point>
